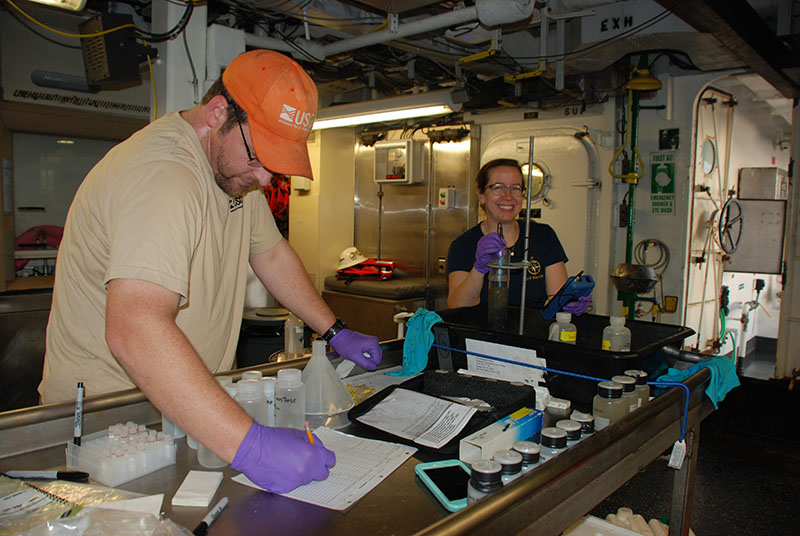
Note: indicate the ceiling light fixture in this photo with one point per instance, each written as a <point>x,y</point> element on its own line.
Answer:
<point>70,5</point>
<point>384,110</point>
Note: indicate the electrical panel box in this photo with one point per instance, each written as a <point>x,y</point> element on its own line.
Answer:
<point>400,162</point>
<point>447,198</point>
<point>763,183</point>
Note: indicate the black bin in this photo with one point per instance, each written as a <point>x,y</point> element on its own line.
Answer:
<point>585,357</point>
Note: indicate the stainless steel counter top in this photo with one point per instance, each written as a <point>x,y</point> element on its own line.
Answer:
<point>544,501</point>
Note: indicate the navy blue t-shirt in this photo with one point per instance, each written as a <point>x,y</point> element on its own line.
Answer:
<point>544,249</point>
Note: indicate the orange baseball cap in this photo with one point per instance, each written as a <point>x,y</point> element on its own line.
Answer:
<point>281,104</point>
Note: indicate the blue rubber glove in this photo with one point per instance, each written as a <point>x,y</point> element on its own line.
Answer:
<point>363,350</point>
<point>488,248</point>
<point>577,307</point>
<point>281,459</point>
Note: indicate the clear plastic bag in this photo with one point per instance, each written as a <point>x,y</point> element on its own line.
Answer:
<point>96,521</point>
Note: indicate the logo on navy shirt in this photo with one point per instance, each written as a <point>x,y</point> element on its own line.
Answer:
<point>235,203</point>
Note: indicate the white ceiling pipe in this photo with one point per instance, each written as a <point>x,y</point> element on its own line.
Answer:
<point>488,12</point>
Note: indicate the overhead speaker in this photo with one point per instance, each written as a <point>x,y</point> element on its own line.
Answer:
<point>112,59</point>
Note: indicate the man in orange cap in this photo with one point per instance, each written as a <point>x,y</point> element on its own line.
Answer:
<point>151,271</point>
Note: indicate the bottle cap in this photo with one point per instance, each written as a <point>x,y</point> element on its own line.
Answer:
<point>553,437</point>
<point>510,460</point>
<point>572,428</point>
<point>485,475</point>
<point>609,390</point>
<point>529,451</point>
<point>290,377</point>
<point>563,317</point>
<point>586,421</point>
<point>628,383</point>
<point>251,375</point>
<point>617,320</point>
<point>639,375</point>
<point>224,381</point>
<point>249,389</point>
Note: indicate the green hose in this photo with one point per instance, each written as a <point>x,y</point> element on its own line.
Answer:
<point>723,333</point>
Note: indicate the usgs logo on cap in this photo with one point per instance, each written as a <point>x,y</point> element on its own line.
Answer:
<point>293,117</point>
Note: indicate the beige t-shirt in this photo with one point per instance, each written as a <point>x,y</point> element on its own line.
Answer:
<point>151,210</point>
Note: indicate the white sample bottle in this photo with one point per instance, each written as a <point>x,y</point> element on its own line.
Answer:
<point>530,454</point>
<point>252,375</point>
<point>250,396</point>
<point>484,479</point>
<point>290,399</point>
<point>607,406</point>
<point>642,389</point>
<point>511,463</point>
<point>293,329</point>
<point>616,337</point>
<point>563,330</point>
<point>269,393</point>
<point>573,430</point>
<point>629,395</point>
<point>553,442</point>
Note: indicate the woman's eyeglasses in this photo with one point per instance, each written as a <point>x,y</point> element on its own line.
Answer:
<point>500,189</point>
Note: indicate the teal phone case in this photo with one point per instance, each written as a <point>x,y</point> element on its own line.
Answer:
<point>451,505</point>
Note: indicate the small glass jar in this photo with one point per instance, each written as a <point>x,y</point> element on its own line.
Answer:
<point>629,395</point>
<point>511,463</point>
<point>586,421</point>
<point>642,389</point>
<point>553,442</point>
<point>484,479</point>
<point>608,406</point>
<point>573,430</point>
<point>530,454</point>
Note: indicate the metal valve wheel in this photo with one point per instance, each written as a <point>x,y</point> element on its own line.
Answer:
<point>730,225</point>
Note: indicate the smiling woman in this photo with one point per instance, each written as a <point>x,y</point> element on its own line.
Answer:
<point>500,188</point>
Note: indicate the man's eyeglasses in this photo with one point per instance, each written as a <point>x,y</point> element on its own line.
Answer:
<point>500,189</point>
<point>252,161</point>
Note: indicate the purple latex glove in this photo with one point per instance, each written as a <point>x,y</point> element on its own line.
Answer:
<point>281,459</point>
<point>577,307</point>
<point>488,247</point>
<point>363,350</point>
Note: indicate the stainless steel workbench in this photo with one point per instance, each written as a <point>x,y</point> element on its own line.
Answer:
<point>545,501</point>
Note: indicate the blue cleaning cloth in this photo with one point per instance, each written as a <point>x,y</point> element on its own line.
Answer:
<point>723,377</point>
<point>419,338</point>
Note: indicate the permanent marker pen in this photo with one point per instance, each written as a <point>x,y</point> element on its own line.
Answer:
<point>78,428</point>
<point>202,528</point>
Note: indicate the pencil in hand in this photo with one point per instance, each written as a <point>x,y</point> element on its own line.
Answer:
<point>308,433</point>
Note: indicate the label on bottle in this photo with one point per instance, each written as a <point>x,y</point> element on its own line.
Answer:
<point>569,336</point>
<point>606,344</point>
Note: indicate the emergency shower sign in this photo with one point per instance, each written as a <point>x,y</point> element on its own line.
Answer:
<point>662,183</point>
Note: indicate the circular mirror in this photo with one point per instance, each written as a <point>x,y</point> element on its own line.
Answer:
<point>537,179</point>
<point>709,156</point>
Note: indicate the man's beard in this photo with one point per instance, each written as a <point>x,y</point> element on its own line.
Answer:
<point>227,183</point>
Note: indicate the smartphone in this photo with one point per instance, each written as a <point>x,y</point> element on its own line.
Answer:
<point>575,287</point>
<point>447,480</point>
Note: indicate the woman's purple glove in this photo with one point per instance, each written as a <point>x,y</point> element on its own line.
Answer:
<point>281,459</point>
<point>363,350</point>
<point>577,307</point>
<point>488,247</point>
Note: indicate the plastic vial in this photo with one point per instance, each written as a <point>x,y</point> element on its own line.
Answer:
<point>616,337</point>
<point>511,463</point>
<point>608,406</point>
<point>530,454</point>
<point>629,394</point>
<point>269,393</point>
<point>553,442</point>
<point>563,330</point>
<point>252,375</point>
<point>250,397</point>
<point>573,430</point>
<point>170,428</point>
<point>642,389</point>
<point>207,458</point>
<point>585,420</point>
<point>293,330</point>
<point>290,399</point>
<point>484,479</point>
<point>497,305</point>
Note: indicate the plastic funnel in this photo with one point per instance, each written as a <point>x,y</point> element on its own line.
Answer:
<point>327,399</point>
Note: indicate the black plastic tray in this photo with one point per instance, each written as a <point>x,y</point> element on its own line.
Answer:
<point>585,357</point>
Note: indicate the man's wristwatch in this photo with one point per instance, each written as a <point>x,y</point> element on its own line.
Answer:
<point>337,326</point>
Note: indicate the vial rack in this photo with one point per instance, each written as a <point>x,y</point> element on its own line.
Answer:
<point>121,453</point>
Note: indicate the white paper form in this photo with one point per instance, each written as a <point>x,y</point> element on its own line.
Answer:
<point>489,368</point>
<point>361,464</point>
<point>418,417</point>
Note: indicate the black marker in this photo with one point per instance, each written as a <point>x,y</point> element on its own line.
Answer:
<point>78,429</point>
<point>202,528</point>
<point>73,476</point>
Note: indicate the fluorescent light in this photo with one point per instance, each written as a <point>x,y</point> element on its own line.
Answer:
<point>391,109</point>
<point>71,5</point>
